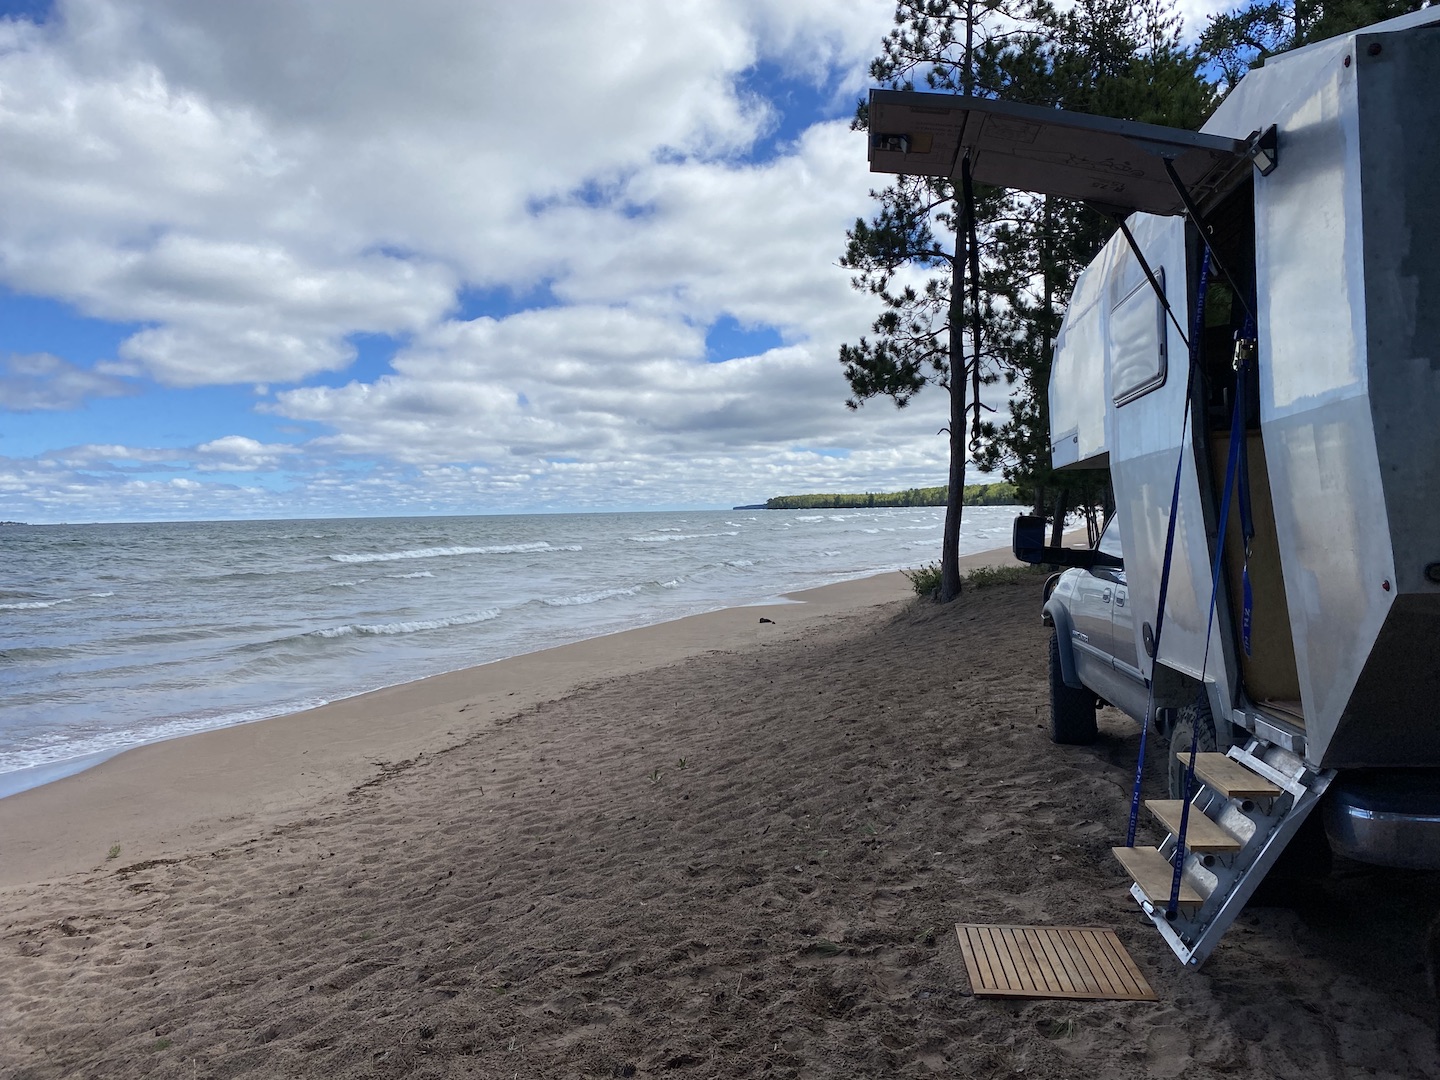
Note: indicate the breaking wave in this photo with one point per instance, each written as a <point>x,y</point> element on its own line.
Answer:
<point>669,538</point>
<point>590,597</point>
<point>413,626</point>
<point>442,552</point>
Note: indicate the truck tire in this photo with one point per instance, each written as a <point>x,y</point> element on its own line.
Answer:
<point>1193,717</point>
<point>1072,711</point>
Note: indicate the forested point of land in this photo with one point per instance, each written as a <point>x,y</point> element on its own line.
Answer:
<point>975,495</point>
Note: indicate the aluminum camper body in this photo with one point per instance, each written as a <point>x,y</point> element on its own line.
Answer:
<point>1345,459</point>
<point>1316,184</point>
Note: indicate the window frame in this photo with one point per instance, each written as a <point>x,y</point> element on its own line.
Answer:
<point>1162,372</point>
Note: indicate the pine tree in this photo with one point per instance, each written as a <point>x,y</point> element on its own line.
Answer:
<point>915,253</point>
<point>1105,57</point>
<point>1247,36</point>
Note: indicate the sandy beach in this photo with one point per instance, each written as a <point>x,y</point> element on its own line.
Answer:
<point>718,847</point>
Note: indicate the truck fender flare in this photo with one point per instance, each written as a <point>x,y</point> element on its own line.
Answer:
<point>1060,618</point>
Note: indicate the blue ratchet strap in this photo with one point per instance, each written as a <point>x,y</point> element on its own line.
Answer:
<point>1197,327</point>
<point>1244,343</point>
<point>1232,468</point>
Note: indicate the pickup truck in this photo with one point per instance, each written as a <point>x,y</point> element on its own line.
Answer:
<point>1094,660</point>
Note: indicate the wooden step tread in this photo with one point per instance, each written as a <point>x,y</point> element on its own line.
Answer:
<point>1153,873</point>
<point>1201,834</point>
<point>1230,778</point>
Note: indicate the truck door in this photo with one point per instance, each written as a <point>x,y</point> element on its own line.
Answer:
<point>1122,620</point>
<point>1093,616</point>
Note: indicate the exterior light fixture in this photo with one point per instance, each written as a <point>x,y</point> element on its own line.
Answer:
<point>1265,151</point>
<point>899,144</point>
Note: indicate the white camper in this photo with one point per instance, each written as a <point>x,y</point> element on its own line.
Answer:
<point>1287,255</point>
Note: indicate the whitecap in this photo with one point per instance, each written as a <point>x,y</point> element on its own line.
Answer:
<point>442,552</point>
<point>409,627</point>
<point>33,605</point>
<point>681,536</point>
<point>590,598</point>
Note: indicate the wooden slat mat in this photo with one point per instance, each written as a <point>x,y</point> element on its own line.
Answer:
<point>1050,961</point>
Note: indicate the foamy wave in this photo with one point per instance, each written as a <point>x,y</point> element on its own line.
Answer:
<point>590,598</point>
<point>33,605</point>
<point>34,753</point>
<point>411,627</point>
<point>810,517</point>
<point>442,552</point>
<point>739,563</point>
<point>417,573</point>
<point>344,584</point>
<point>668,539</point>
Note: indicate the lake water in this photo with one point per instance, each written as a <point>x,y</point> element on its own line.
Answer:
<point>116,635</point>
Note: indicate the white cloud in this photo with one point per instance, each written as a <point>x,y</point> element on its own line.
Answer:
<point>253,185</point>
<point>229,453</point>
<point>40,381</point>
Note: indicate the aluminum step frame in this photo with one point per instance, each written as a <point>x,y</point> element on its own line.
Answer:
<point>1229,881</point>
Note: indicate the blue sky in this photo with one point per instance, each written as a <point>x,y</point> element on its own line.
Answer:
<point>258,261</point>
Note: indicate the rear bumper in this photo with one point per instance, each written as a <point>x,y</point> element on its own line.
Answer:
<point>1387,817</point>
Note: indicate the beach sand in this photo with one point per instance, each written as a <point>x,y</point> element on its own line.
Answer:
<point>718,847</point>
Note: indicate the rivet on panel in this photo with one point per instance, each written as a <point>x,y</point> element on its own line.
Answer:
<point>1385,584</point>
<point>1373,49</point>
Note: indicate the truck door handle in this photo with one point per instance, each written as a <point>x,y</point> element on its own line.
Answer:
<point>1105,596</point>
<point>1119,600</point>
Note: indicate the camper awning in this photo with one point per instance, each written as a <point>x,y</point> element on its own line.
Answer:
<point>1116,163</point>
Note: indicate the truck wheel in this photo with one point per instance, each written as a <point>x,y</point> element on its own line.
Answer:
<point>1193,717</point>
<point>1072,711</point>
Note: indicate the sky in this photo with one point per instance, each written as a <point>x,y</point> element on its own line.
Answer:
<point>310,258</point>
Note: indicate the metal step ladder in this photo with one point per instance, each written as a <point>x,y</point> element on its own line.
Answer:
<point>1250,802</point>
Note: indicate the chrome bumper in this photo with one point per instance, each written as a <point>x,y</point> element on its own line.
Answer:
<point>1382,825</point>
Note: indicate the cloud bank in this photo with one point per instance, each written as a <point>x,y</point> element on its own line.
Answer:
<point>438,257</point>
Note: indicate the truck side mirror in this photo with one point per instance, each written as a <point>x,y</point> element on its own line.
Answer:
<point>1028,544</point>
<point>1028,539</point>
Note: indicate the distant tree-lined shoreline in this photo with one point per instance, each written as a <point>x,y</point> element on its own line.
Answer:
<point>975,495</point>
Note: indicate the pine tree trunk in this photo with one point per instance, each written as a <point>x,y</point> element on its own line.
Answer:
<point>1057,527</point>
<point>954,503</point>
<point>1047,360</point>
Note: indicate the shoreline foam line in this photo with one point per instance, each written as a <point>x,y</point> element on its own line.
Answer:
<point>202,791</point>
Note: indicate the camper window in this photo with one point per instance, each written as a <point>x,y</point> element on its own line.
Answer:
<point>1137,341</point>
